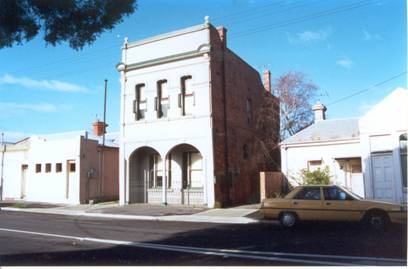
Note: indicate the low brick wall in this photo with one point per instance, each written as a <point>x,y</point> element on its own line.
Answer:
<point>271,184</point>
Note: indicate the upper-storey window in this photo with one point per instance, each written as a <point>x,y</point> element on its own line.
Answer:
<point>248,109</point>
<point>186,96</point>
<point>162,102</point>
<point>140,103</point>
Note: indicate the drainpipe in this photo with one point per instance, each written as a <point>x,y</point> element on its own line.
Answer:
<point>224,93</point>
<point>101,193</point>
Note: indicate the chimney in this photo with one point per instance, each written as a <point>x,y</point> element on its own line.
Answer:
<point>319,112</point>
<point>266,79</point>
<point>222,32</point>
<point>99,128</point>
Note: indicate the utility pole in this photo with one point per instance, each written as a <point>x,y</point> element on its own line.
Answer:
<point>104,113</point>
<point>101,183</point>
<point>3,148</point>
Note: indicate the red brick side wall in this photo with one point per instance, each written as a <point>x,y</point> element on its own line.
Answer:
<point>233,82</point>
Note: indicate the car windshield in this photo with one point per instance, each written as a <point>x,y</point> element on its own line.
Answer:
<point>352,193</point>
<point>291,193</point>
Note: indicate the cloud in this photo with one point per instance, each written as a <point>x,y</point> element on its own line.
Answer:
<point>15,107</point>
<point>310,37</point>
<point>369,37</point>
<point>54,85</point>
<point>345,63</point>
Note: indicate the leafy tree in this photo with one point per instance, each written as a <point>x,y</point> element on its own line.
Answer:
<point>267,124</point>
<point>79,22</point>
<point>316,177</point>
<point>295,94</point>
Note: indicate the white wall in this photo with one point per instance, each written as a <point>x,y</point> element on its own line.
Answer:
<point>173,43</point>
<point>12,173</point>
<point>380,129</point>
<point>52,186</point>
<point>295,158</point>
<point>165,133</point>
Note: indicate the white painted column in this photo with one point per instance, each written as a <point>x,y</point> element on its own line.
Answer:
<point>164,190</point>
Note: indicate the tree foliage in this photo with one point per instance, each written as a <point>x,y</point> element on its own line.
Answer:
<point>316,177</point>
<point>267,124</point>
<point>78,22</point>
<point>296,95</point>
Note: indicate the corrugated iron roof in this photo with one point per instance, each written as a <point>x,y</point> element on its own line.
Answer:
<point>327,130</point>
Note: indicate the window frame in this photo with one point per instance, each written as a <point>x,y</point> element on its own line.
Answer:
<point>348,197</point>
<point>159,98</point>
<point>38,168</point>
<point>302,190</point>
<point>58,167</point>
<point>139,113</point>
<point>182,95</point>
<point>48,168</point>
<point>154,170</point>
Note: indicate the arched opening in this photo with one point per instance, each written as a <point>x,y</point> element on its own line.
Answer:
<point>145,175</point>
<point>185,170</point>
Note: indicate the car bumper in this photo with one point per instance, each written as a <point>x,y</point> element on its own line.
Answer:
<point>398,217</point>
<point>270,213</point>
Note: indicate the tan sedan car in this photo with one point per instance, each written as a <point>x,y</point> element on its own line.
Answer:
<point>331,203</point>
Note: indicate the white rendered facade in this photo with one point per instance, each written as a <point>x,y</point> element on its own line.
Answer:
<point>59,168</point>
<point>177,57</point>
<point>372,163</point>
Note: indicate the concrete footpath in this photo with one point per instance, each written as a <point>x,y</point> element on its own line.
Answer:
<point>236,215</point>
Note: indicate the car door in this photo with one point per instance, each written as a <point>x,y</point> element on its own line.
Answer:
<point>338,205</point>
<point>307,203</point>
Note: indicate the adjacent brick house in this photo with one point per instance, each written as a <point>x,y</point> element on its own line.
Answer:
<point>191,131</point>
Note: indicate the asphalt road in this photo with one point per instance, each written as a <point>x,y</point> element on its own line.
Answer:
<point>40,239</point>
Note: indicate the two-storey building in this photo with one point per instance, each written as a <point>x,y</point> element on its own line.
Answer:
<point>190,132</point>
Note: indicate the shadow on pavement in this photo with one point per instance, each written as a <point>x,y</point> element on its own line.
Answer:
<point>317,238</point>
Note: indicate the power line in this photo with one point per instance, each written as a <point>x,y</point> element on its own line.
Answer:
<point>71,59</point>
<point>267,13</point>
<point>239,13</point>
<point>312,16</point>
<point>366,89</point>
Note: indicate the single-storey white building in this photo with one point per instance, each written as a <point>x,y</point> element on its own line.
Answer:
<point>367,154</point>
<point>69,168</point>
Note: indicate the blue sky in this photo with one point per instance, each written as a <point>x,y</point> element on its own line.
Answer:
<point>342,46</point>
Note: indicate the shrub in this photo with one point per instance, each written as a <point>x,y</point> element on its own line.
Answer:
<point>316,177</point>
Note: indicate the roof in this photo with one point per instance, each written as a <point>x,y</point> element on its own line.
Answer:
<point>167,35</point>
<point>111,139</point>
<point>326,130</point>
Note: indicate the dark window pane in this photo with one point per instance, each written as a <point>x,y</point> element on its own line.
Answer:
<point>309,193</point>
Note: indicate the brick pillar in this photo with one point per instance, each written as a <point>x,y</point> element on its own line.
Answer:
<point>266,79</point>
<point>262,185</point>
<point>222,32</point>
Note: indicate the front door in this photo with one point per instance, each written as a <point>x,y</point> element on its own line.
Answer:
<point>383,177</point>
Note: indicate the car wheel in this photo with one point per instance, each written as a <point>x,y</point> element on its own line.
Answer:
<point>377,220</point>
<point>287,219</point>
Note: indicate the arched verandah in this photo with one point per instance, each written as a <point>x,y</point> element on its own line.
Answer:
<point>145,173</point>
<point>185,175</point>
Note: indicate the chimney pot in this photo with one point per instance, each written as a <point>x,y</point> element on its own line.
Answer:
<point>99,128</point>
